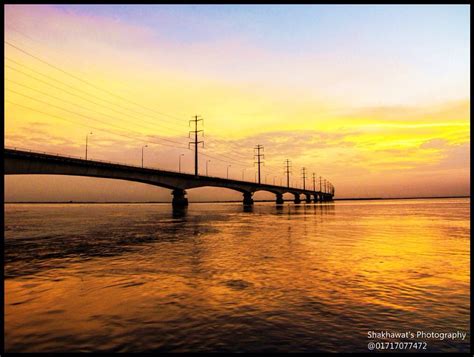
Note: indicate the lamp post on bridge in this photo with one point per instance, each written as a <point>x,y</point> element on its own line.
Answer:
<point>87,135</point>
<point>179,165</point>
<point>207,162</point>
<point>228,170</point>
<point>303,173</point>
<point>143,147</point>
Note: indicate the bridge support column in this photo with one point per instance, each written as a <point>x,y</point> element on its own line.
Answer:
<point>297,198</point>
<point>248,201</point>
<point>279,199</point>
<point>315,199</point>
<point>308,198</point>
<point>179,198</point>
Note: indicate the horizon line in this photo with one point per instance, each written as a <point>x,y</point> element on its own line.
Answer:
<point>238,201</point>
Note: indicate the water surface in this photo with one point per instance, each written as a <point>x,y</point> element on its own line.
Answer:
<point>309,277</point>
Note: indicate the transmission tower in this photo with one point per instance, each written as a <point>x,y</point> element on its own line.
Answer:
<point>196,142</point>
<point>303,175</point>
<point>259,157</point>
<point>287,172</point>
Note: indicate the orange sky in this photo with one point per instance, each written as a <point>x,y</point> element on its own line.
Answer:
<point>375,99</point>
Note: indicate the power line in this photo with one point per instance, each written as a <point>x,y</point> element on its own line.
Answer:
<point>68,102</point>
<point>98,88</point>
<point>84,116</point>
<point>99,104</point>
<point>238,162</point>
<point>105,130</point>
<point>82,91</point>
<point>87,82</point>
<point>87,126</point>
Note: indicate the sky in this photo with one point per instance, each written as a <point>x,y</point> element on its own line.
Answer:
<point>375,99</point>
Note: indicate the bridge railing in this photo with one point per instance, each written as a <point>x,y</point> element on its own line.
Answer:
<point>107,161</point>
<point>121,163</point>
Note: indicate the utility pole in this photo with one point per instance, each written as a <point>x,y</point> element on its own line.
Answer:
<point>320,190</point>
<point>258,156</point>
<point>179,160</point>
<point>196,142</point>
<point>86,142</point>
<point>142,153</point>
<point>314,181</point>
<point>287,172</point>
<point>304,177</point>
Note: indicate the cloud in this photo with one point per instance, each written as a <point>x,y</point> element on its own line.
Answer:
<point>434,144</point>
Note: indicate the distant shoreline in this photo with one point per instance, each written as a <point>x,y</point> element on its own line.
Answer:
<point>234,201</point>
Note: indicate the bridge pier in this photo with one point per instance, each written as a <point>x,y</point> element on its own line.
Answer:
<point>315,199</point>
<point>308,198</point>
<point>279,199</point>
<point>179,198</point>
<point>248,200</point>
<point>297,198</point>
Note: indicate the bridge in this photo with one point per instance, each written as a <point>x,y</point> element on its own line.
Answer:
<point>25,162</point>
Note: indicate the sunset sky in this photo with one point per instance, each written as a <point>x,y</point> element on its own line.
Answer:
<point>373,98</point>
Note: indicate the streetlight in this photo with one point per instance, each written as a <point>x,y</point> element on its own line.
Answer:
<point>142,153</point>
<point>179,167</point>
<point>228,170</point>
<point>208,161</point>
<point>87,135</point>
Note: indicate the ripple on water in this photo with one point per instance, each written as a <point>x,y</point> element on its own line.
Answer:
<point>135,278</point>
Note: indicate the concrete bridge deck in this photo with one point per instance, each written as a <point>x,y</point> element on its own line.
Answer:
<point>24,162</point>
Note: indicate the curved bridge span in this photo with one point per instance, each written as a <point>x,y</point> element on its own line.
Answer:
<point>23,162</point>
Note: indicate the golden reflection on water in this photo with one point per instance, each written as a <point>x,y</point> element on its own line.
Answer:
<point>216,278</point>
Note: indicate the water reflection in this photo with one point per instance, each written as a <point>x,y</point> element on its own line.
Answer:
<point>179,212</point>
<point>247,208</point>
<point>210,278</point>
